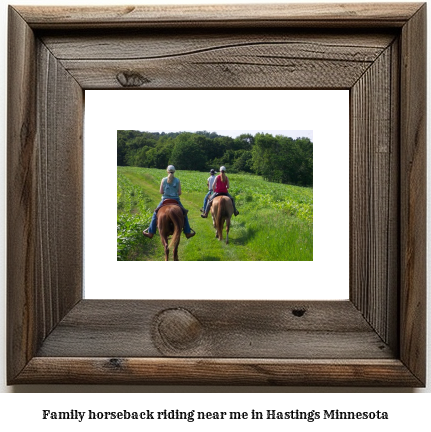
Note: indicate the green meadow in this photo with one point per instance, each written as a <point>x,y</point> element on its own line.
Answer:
<point>275,221</point>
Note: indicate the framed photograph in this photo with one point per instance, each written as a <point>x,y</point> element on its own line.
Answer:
<point>376,337</point>
<point>307,251</point>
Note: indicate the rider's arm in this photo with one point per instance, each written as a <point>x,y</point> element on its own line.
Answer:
<point>227,184</point>
<point>179,188</point>
<point>161,188</point>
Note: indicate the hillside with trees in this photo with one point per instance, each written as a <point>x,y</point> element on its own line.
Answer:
<point>277,158</point>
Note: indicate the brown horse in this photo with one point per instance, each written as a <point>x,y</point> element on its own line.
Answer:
<point>170,221</point>
<point>221,212</point>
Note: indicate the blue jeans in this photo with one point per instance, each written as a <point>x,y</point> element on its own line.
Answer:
<point>153,224</point>
<point>206,198</point>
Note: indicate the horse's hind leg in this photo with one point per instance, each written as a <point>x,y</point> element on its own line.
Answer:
<point>220,228</point>
<point>165,245</point>
<point>215,225</point>
<point>227,230</point>
<point>176,253</point>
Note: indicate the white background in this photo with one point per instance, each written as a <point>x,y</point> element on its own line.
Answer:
<point>326,113</point>
<point>23,409</point>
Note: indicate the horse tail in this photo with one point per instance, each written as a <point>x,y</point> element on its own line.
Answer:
<point>177,219</point>
<point>220,213</point>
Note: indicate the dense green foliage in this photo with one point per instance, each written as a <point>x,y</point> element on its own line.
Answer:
<point>277,158</point>
<point>275,221</point>
<point>132,215</point>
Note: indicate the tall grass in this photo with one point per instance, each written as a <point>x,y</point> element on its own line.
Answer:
<point>275,221</point>
<point>133,216</point>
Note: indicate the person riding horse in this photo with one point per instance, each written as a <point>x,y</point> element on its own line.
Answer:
<point>210,183</point>
<point>220,186</point>
<point>170,188</point>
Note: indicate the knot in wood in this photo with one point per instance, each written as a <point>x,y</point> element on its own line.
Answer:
<point>131,79</point>
<point>178,329</point>
<point>298,312</point>
<point>115,363</point>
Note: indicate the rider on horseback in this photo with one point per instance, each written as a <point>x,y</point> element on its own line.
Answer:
<point>220,186</point>
<point>170,188</point>
<point>210,183</point>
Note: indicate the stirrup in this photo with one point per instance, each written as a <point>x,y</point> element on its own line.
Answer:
<point>147,234</point>
<point>190,234</point>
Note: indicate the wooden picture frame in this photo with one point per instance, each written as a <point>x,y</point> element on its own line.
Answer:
<point>376,338</point>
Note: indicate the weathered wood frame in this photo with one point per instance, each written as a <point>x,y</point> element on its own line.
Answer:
<point>376,338</point>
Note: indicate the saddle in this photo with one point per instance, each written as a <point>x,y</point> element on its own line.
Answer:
<point>216,194</point>
<point>169,201</point>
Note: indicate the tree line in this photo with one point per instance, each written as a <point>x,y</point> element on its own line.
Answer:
<point>277,158</point>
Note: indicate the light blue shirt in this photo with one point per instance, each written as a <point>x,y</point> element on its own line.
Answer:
<point>170,190</point>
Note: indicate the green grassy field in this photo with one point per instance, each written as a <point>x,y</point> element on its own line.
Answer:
<point>275,221</point>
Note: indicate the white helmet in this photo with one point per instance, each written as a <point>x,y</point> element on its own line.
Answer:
<point>222,168</point>
<point>170,169</point>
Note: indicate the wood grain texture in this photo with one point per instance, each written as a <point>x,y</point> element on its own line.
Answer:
<point>413,194</point>
<point>21,194</point>
<point>374,195</point>
<point>197,371</point>
<point>346,45</point>
<point>44,193</point>
<point>376,338</point>
<point>226,329</point>
<point>59,164</point>
<point>204,60</point>
<point>299,14</point>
